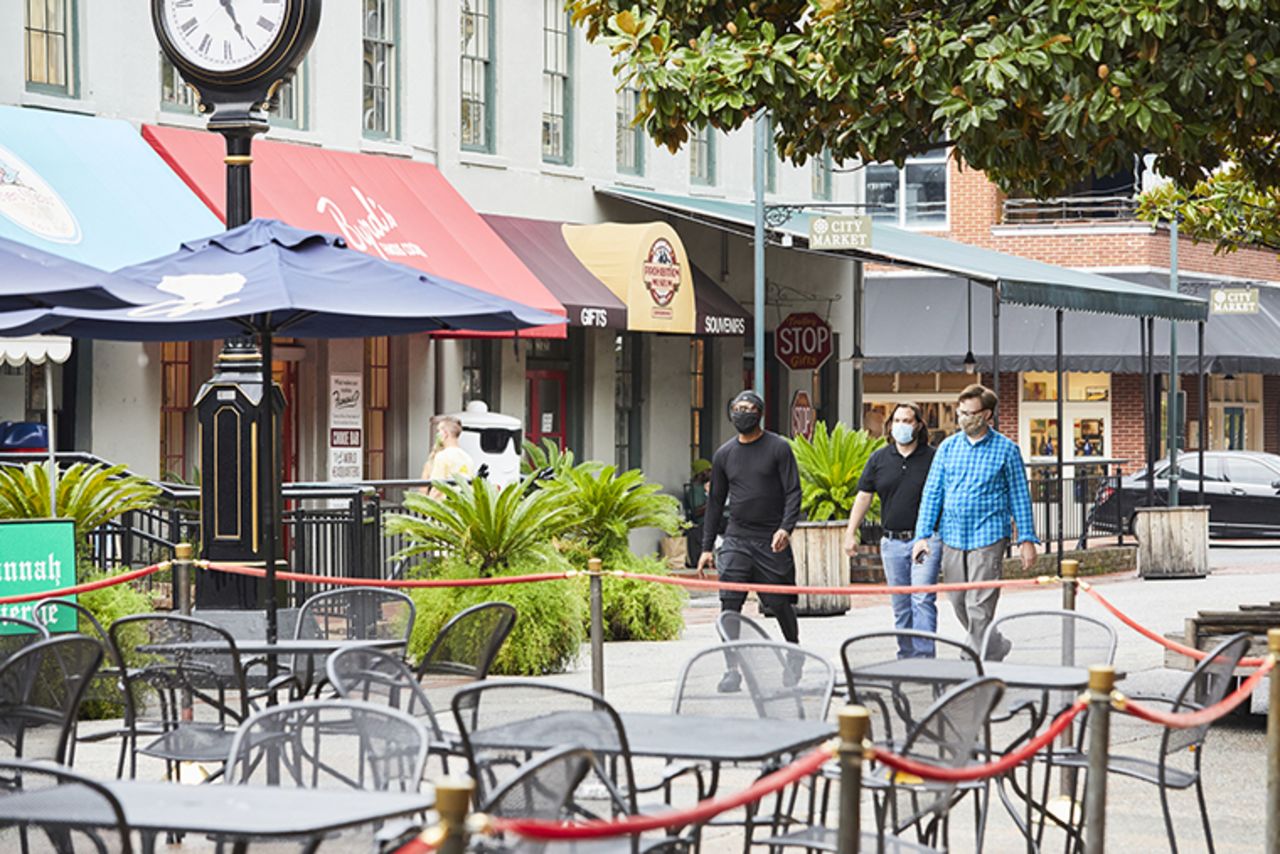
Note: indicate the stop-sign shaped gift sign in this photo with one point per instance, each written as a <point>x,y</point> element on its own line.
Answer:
<point>802,341</point>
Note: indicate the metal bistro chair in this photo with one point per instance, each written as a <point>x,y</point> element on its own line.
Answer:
<point>541,788</point>
<point>374,676</point>
<point>507,710</point>
<point>41,689</point>
<point>464,649</point>
<point>897,705</point>
<point>16,633</point>
<point>188,687</point>
<point>952,733</point>
<point>357,613</point>
<point>734,625</point>
<point>1213,677</point>
<point>780,682</point>
<point>65,794</point>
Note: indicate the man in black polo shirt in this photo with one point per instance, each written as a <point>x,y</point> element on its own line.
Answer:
<point>897,473</point>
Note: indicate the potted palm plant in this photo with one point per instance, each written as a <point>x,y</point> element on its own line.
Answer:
<point>830,465</point>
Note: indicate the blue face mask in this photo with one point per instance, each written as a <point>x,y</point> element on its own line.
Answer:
<point>903,433</point>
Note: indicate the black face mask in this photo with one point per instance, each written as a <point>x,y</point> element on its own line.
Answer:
<point>745,422</point>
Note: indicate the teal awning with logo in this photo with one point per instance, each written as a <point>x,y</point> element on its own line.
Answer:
<point>1021,281</point>
<point>91,190</point>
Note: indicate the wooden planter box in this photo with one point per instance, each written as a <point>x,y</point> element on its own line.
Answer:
<point>1173,542</point>
<point>818,548</point>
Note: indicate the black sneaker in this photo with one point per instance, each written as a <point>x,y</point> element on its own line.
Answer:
<point>730,682</point>
<point>1000,650</point>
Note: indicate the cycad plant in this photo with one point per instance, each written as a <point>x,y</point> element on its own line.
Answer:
<point>607,505</point>
<point>488,528</point>
<point>830,464</point>
<point>547,458</point>
<point>89,493</point>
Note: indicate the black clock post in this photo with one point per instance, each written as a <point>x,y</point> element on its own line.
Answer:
<point>236,54</point>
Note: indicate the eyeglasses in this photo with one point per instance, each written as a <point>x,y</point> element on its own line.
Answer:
<point>963,412</point>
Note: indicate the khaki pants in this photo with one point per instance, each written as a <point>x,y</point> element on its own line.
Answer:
<point>975,609</point>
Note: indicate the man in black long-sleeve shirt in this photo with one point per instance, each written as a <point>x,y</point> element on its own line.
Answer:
<point>756,472</point>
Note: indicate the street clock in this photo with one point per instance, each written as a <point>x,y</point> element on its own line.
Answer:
<point>235,53</point>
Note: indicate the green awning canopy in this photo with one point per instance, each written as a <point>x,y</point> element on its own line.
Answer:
<point>1021,281</point>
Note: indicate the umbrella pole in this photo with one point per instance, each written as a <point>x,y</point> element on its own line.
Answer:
<point>53,445</point>
<point>266,453</point>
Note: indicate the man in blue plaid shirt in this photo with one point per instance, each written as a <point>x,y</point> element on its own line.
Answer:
<point>978,485</point>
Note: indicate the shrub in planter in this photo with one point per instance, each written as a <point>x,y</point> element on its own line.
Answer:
<point>830,465</point>
<point>550,619</point>
<point>632,609</point>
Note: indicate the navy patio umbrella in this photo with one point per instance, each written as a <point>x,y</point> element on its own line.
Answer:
<point>31,278</point>
<point>266,278</point>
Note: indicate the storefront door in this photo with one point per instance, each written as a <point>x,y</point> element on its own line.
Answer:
<point>546,406</point>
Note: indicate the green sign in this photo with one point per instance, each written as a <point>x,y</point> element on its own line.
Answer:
<point>840,232</point>
<point>37,555</point>
<point>1234,301</point>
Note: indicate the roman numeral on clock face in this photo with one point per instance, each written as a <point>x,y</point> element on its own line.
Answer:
<point>188,25</point>
<point>205,43</point>
<point>267,24</point>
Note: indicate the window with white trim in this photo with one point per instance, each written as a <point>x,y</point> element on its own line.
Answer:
<point>288,106</point>
<point>821,176</point>
<point>557,83</point>
<point>380,70</point>
<point>477,75</point>
<point>630,132</point>
<point>914,196</point>
<point>50,46</point>
<point>702,156</point>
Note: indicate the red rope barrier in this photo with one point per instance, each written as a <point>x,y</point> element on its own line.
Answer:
<point>1190,652</point>
<point>704,811</point>
<point>851,590</point>
<point>259,572</point>
<point>1200,717</point>
<point>87,586</point>
<point>990,769</point>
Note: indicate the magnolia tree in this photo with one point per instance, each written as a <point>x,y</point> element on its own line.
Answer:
<point>1038,94</point>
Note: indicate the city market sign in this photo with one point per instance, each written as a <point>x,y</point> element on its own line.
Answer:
<point>37,556</point>
<point>1234,301</point>
<point>840,232</point>
<point>802,341</point>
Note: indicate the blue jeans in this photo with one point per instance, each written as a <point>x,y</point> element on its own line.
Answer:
<point>917,611</point>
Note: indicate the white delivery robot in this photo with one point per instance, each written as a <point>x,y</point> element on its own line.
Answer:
<point>494,440</point>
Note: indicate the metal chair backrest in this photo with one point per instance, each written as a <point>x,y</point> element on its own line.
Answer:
<point>86,624</point>
<point>896,706</point>
<point>315,744</point>
<point>734,625</point>
<point>41,689</point>
<point>1061,637</point>
<point>780,681</point>
<point>45,831</point>
<point>374,676</point>
<point>541,788</point>
<point>469,642</point>
<point>179,657</point>
<point>1212,678</point>
<point>497,718</point>
<point>357,613</point>
<point>16,633</point>
<point>952,733</point>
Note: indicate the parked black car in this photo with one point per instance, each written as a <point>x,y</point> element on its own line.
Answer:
<point>1242,489</point>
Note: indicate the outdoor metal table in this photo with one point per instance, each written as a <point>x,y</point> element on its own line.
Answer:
<point>238,813</point>
<point>668,736</point>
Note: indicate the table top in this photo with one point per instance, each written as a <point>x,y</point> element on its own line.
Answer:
<point>219,809</point>
<point>686,737</point>
<point>1049,677</point>
<point>289,646</point>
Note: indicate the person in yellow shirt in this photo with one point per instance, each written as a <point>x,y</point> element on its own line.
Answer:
<point>448,461</point>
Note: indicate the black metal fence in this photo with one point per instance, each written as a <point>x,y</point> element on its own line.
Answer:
<point>1090,508</point>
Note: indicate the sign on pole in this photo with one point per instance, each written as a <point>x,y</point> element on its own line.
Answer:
<point>346,427</point>
<point>803,415</point>
<point>840,232</point>
<point>36,556</point>
<point>802,341</point>
<point>1234,301</point>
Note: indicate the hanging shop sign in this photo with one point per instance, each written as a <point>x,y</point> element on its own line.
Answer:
<point>37,556</point>
<point>346,427</point>
<point>803,415</point>
<point>1234,301</point>
<point>840,232</point>
<point>802,341</point>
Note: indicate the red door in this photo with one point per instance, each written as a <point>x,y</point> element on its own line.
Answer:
<point>546,407</point>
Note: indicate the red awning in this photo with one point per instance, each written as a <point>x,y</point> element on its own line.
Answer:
<point>398,209</point>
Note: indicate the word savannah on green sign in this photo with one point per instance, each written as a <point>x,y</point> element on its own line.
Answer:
<point>37,555</point>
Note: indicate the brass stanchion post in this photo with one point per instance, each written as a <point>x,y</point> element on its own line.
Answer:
<point>1273,748</point>
<point>453,798</point>
<point>182,578</point>
<point>855,722</point>
<point>594,566</point>
<point>1070,572</point>
<point>1102,679</point>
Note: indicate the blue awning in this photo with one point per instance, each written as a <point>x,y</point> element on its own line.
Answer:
<point>91,190</point>
<point>1021,281</point>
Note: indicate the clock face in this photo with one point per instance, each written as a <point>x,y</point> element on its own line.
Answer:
<point>224,35</point>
